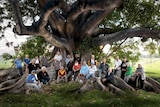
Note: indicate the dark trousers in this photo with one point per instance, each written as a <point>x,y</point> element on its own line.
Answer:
<point>20,71</point>
<point>75,74</point>
<point>45,80</point>
<point>106,82</point>
<point>123,74</point>
<point>139,83</point>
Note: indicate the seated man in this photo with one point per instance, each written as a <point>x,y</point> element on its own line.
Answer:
<point>92,70</point>
<point>43,75</point>
<point>140,76</point>
<point>83,71</point>
<point>62,75</point>
<point>76,68</point>
<point>32,82</point>
<point>109,77</point>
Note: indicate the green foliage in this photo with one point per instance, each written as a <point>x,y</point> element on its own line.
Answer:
<point>33,47</point>
<point>128,49</point>
<point>6,56</point>
<point>134,13</point>
<point>151,47</point>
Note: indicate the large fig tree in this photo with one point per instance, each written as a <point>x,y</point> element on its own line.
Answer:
<point>78,25</point>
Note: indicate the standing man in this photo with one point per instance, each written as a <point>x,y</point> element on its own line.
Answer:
<point>103,68</point>
<point>44,60</point>
<point>123,67</point>
<point>118,63</point>
<point>18,63</point>
<point>26,62</point>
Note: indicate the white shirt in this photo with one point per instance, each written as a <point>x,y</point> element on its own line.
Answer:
<point>58,57</point>
<point>117,64</point>
<point>92,69</point>
<point>37,61</point>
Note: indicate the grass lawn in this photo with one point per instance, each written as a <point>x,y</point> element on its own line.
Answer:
<point>60,96</point>
<point>5,64</point>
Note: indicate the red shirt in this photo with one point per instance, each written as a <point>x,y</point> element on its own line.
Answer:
<point>76,67</point>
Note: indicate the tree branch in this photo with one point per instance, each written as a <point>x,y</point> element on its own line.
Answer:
<point>85,5</point>
<point>56,21</point>
<point>19,27</point>
<point>118,47</point>
<point>129,33</point>
<point>100,31</point>
<point>104,6</point>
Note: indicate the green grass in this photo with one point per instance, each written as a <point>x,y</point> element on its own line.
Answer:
<point>60,97</point>
<point>5,63</point>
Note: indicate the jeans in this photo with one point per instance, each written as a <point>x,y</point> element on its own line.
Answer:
<point>90,76</point>
<point>45,80</point>
<point>34,85</point>
<point>100,72</point>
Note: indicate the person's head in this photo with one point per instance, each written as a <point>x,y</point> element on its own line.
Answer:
<point>70,59</point>
<point>76,62</point>
<point>61,68</point>
<point>124,59</point>
<point>139,66</point>
<point>92,56</point>
<point>58,53</point>
<point>44,55</point>
<point>27,56</point>
<point>68,56</point>
<point>33,61</point>
<point>117,58</point>
<point>76,55</point>
<point>43,69</point>
<point>18,57</point>
<point>110,69</point>
<point>37,57</point>
<point>33,72</point>
<point>104,60</point>
<point>84,62</point>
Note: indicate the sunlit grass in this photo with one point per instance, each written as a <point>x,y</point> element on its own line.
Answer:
<point>61,97</point>
<point>5,63</point>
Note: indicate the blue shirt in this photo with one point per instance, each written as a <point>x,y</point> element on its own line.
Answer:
<point>27,61</point>
<point>18,63</point>
<point>31,78</point>
<point>84,69</point>
<point>67,60</point>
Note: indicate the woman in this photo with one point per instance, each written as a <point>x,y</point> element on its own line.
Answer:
<point>128,73</point>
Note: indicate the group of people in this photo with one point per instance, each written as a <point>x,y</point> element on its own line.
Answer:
<point>75,71</point>
<point>35,79</point>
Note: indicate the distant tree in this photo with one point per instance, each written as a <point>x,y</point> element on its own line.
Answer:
<point>6,56</point>
<point>151,48</point>
<point>33,46</point>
